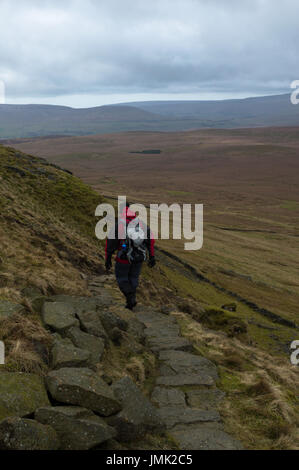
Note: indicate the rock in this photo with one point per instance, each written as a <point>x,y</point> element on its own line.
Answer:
<point>137,329</point>
<point>59,316</point>
<point>80,304</point>
<point>38,303</point>
<point>84,304</point>
<point>168,397</point>
<point>116,335</point>
<point>90,323</point>
<point>64,355</point>
<point>174,415</point>
<point>104,299</point>
<point>204,399</point>
<point>182,380</point>
<point>164,343</point>
<point>179,361</point>
<point>162,330</point>
<point>26,434</point>
<point>138,414</point>
<point>84,388</point>
<point>21,394</point>
<point>88,342</point>
<point>166,309</point>
<point>32,292</point>
<point>230,307</point>
<point>204,436</point>
<point>107,379</point>
<point>77,428</point>
<point>7,309</point>
<point>111,320</point>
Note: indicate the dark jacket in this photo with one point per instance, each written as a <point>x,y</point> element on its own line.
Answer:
<point>115,244</point>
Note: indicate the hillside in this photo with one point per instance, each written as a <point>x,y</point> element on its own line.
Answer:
<point>39,120</point>
<point>21,121</point>
<point>249,112</point>
<point>53,293</point>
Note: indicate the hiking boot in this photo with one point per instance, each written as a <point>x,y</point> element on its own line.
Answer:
<point>131,301</point>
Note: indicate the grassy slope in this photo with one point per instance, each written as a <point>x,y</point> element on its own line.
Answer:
<point>47,238</point>
<point>47,241</point>
<point>47,225</point>
<point>261,405</point>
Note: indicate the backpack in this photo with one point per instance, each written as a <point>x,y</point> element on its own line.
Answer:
<point>134,247</point>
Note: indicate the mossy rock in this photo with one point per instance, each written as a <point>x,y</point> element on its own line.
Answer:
<point>21,394</point>
<point>7,309</point>
<point>26,434</point>
<point>219,319</point>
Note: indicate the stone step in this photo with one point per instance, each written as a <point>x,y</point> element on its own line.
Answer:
<point>181,380</point>
<point>204,436</point>
<point>165,343</point>
<point>175,415</point>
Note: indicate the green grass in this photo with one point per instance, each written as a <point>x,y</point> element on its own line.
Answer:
<point>290,205</point>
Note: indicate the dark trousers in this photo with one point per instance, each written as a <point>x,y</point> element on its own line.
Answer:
<point>127,276</point>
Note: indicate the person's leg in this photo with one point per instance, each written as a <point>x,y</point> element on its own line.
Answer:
<point>122,276</point>
<point>134,275</point>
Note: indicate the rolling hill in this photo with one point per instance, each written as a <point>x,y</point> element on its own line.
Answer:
<point>26,121</point>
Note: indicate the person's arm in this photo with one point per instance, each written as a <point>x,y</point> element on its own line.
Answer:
<point>151,248</point>
<point>111,247</point>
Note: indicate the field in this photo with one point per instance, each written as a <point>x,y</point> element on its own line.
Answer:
<point>247,180</point>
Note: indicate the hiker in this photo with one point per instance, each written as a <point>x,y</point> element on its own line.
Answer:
<point>132,240</point>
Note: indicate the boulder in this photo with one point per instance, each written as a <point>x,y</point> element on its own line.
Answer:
<point>77,428</point>
<point>84,388</point>
<point>111,320</point>
<point>59,316</point>
<point>137,329</point>
<point>84,304</point>
<point>116,335</point>
<point>87,342</point>
<point>21,394</point>
<point>7,309</point>
<point>90,323</point>
<point>64,355</point>
<point>138,415</point>
<point>80,304</point>
<point>26,434</point>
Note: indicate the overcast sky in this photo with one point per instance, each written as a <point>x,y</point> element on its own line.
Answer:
<point>93,52</point>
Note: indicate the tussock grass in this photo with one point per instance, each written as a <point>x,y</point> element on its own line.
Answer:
<point>261,406</point>
<point>27,344</point>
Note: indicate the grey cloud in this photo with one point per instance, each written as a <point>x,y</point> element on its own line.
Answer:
<point>54,48</point>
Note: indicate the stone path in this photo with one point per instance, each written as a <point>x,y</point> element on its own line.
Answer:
<point>83,410</point>
<point>185,390</point>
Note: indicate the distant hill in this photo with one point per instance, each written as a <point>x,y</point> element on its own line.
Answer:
<point>249,112</point>
<point>21,121</point>
<point>45,120</point>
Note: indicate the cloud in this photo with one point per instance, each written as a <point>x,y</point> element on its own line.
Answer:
<point>75,47</point>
